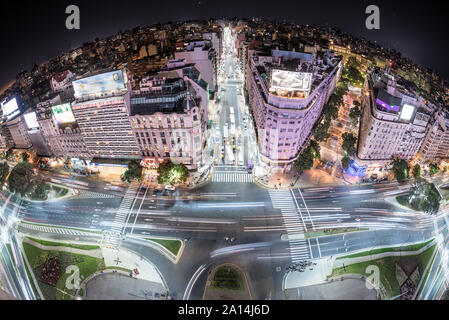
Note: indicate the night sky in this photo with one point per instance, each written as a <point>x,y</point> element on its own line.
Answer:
<point>35,31</point>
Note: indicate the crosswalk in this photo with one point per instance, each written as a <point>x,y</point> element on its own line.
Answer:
<point>84,194</point>
<point>237,177</point>
<point>50,229</point>
<point>112,237</point>
<point>299,248</point>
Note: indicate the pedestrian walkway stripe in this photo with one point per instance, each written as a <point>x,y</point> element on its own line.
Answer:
<point>299,249</point>
<point>85,194</point>
<point>236,177</point>
<point>56,230</point>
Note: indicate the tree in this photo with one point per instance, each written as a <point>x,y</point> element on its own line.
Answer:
<point>168,172</point>
<point>133,172</point>
<point>315,149</point>
<point>400,170</point>
<point>305,160</point>
<point>163,171</point>
<point>39,190</point>
<point>21,178</point>
<point>9,154</point>
<point>336,99</point>
<point>424,196</point>
<point>341,88</point>
<point>330,111</point>
<point>355,112</point>
<point>349,142</point>
<point>434,168</point>
<point>24,156</point>
<point>320,132</point>
<point>416,171</point>
<point>4,170</point>
<point>345,162</point>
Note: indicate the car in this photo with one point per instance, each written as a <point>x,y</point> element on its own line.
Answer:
<point>357,219</point>
<point>171,188</point>
<point>157,190</point>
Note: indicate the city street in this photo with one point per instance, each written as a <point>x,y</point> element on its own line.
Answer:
<point>229,219</point>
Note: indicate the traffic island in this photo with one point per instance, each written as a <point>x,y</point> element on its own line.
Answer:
<point>59,268</point>
<point>227,282</point>
<point>393,272</point>
<point>62,271</point>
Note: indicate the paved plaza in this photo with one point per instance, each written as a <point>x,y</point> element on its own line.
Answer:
<point>117,286</point>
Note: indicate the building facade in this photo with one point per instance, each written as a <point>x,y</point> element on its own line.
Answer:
<point>394,121</point>
<point>101,112</point>
<point>168,122</point>
<point>436,142</point>
<point>287,91</point>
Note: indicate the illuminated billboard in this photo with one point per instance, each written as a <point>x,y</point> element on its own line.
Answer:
<point>63,113</point>
<point>407,112</point>
<point>31,120</point>
<point>291,80</point>
<point>10,108</point>
<point>102,83</point>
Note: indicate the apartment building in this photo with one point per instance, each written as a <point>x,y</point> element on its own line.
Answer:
<point>168,121</point>
<point>394,121</point>
<point>202,54</point>
<point>287,91</point>
<point>60,129</point>
<point>101,109</point>
<point>436,142</point>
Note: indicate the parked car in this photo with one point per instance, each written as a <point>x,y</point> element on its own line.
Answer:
<point>171,188</point>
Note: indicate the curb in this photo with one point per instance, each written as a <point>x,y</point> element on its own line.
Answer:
<point>157,246</point>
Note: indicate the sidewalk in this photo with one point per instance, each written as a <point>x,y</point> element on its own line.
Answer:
<point>317,275</point>
<point>310,178</point>
<point>124,258</point>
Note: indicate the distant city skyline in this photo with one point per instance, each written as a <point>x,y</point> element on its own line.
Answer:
<point>30,38</point>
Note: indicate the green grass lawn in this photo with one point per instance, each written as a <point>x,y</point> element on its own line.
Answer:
<point>227,278</point>
<point>332,232</point>
<point>61,244</point>
<point>387,268</point>
<point>414,247</point>
<point>172,245</point>
<point>403,200</point>
<point>36,293</point>
<point>87,265</point>
<point>60,191</point>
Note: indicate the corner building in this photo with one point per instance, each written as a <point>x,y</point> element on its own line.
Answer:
<point>394,121</point>
<point>287,91</point>
<point>169,121</point>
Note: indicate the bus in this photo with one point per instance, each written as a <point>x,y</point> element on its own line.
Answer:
<point>232,130</point>
<point>230,154</point>
<point>225,132</point>
<point>232,119</point>
<point>241,162</point>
